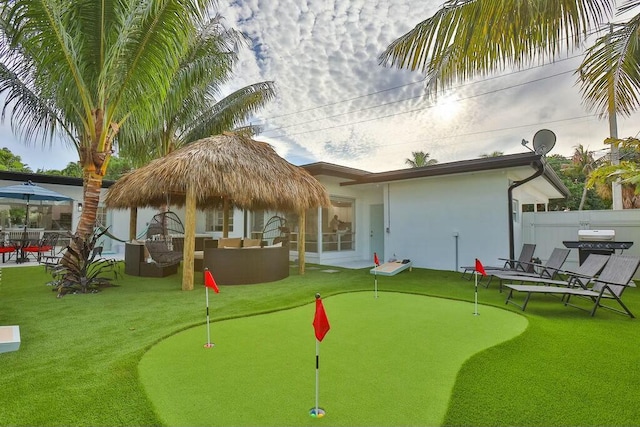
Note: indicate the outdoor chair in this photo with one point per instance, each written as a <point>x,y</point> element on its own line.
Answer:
<point>549,270</point>
<point>4,250</point>
<point>526,255</point>
<point>161,254</point>
<point>581,278</point>
<point>43,247</point>
<point>610,284</point>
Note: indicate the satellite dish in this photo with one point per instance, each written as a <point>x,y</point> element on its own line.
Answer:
<point>543,141</point>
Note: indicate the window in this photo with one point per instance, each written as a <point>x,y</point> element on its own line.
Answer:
<point>215,219</point>
<point>310,230</point>
<point>338,225</point>
<point>515,210</point>
<point>41,214</point>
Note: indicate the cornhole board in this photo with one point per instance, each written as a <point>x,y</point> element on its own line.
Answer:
<point>9,338</point>
<point>390,268</point>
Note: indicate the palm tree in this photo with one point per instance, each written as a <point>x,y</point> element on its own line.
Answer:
<point>420,158</point>
<point>628,171</point>
<point>469,38</point>
<point>88,68</point>
<point>193,109</point>
<point>581,166</point>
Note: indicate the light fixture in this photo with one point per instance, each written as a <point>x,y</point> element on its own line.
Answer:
<point>79,207</point>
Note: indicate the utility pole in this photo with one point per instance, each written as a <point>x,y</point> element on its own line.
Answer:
<point>616,187</point>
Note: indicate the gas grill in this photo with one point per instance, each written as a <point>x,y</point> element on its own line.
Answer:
<point>596,242</point>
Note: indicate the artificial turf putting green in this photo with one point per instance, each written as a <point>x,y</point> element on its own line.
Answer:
<point>390,360</point>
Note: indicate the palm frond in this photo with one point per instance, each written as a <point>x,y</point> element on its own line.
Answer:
<point>467,38</point>
<point>230,112</point>
<point>611,69</point>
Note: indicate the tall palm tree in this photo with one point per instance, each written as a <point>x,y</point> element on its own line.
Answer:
<point>86,69</point>
<point>420,158</point>
<point>469,38</point>
<point>193,108</point>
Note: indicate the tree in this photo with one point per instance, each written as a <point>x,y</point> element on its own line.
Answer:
<point>87,68</point>
<point>581,166</point>
<point>11,162</point>
<point>469,38</point>
<point>493,154</point>
<point>192,109</point>
<point>562,166</point>
<point>628,171</point>
<point>420,158</point>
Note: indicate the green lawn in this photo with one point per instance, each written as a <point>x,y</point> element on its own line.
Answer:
<point>79,359</point>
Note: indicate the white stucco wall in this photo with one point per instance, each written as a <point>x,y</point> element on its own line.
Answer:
<point>423,216</point>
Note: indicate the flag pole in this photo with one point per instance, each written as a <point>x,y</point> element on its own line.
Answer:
<point>475,313</point>
<point>317,375</point>
<point>321,327</point>
<point>376,263</point>
<point>375,275</point>
<point>209,282</point>
<point>208,344</point>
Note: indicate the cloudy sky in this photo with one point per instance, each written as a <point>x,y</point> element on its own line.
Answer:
<point>336,103</point>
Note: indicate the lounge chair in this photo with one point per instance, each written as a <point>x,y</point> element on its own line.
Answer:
<point>610,284</point>
<point>549,270</point>
<point>526,255</point>
<point>581,277</point>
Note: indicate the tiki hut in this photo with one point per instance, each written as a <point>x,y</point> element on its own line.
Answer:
<point>222,170</point>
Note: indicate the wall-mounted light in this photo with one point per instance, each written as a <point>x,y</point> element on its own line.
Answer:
<point>79,207</point>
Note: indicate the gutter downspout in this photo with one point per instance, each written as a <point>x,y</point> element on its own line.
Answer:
<point>539,165</point>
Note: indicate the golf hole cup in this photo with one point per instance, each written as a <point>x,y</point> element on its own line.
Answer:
<point>319,413</point>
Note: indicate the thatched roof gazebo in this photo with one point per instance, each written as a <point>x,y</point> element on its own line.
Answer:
<point>222,170</point>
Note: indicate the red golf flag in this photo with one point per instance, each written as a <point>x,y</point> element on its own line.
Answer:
<point>480,268</point>
<point>320,321</point>
<point>376,261</point>
<point>209,281</point>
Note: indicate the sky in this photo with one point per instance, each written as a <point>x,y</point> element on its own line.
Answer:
<point>335,103</point>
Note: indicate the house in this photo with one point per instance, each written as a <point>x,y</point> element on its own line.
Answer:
<point>440,216</point>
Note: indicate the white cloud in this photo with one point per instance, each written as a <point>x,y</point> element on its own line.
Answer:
<point>337,104</point>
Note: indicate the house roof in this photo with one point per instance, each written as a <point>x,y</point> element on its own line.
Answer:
<point>46,179</point>
<point>526,161</point>
<point>330,169</point>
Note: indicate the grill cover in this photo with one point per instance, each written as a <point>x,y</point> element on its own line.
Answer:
<point>599,235</point>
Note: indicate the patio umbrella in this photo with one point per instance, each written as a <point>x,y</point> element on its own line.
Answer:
<point>29,191</point>
<point>227,168</point>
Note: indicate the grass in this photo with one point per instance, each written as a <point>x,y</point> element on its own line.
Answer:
<point>387,361</point>
<point>79,357</point>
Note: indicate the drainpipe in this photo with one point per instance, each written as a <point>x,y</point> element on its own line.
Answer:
<point>539,165</point>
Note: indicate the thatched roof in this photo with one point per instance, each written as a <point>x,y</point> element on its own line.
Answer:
<point>249,173</point>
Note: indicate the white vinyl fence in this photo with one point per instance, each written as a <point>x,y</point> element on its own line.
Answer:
<point>549,229</point>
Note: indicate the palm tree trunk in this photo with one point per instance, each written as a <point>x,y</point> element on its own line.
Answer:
<point>90,205</point>
<point>584,197</point>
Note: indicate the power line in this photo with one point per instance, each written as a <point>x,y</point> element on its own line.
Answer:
<point>399,113</point>
<point>331,104</point>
